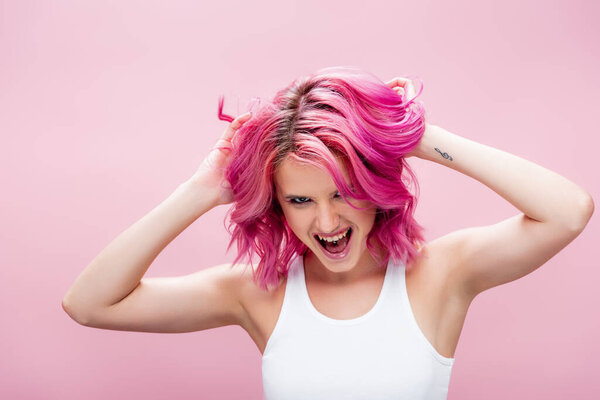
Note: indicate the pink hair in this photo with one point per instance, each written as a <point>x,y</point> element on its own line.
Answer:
<point>337,113</point>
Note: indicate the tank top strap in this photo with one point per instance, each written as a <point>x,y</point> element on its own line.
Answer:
<point>292,309</point>
<point>399,300</point>
<point>294,289</point>
<point>395,276</point>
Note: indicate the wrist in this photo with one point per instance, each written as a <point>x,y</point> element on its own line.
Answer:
<point>437,145</point>
<point>425,146</point>
<point>420,150</point>
<point>199,195</point>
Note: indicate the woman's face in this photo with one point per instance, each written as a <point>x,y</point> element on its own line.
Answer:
<point>312,205</point>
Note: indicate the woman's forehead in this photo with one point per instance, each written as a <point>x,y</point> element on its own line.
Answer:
<point>294,177</point>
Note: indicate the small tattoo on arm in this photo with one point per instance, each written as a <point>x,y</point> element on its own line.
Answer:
<point>445,155</point>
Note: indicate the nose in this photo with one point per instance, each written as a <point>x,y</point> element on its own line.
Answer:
<point>327,218</point>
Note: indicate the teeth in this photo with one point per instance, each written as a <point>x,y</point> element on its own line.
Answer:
<point>334,238</point>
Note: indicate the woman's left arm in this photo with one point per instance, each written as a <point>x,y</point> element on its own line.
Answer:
<point>554,212</point>
<point>539,193</point>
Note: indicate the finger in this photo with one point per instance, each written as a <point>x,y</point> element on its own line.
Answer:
<point>398,81</point>
<point>222,145</point>
<point>391,83</point>
<point>235,125</point>
<point>407,85</point>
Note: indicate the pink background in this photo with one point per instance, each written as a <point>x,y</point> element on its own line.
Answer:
<point>106,106</point>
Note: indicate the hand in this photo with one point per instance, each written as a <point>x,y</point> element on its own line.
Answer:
<point>406,89</point>
<point>210,174</point>
<point>403,86</point>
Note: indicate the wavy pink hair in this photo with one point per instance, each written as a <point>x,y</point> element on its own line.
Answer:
<point>338,113</point>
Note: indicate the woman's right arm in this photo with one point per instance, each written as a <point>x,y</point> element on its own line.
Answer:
<point>111,293</point>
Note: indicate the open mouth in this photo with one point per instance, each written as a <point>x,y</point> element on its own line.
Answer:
<point>336,246</point>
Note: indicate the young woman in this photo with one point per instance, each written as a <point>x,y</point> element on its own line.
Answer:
<point>347,301</point>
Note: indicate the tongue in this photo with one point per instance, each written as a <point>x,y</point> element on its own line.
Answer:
<point>341,245</point>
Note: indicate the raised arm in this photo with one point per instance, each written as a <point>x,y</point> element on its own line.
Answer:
<point>554,211</point>
<point>111,292</point>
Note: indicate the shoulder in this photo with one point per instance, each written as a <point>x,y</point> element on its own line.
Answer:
<point>249,291</point>
<point>438,266</point>
<point>258,305</point>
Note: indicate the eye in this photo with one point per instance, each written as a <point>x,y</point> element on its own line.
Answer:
<point>299,200</point>
<point>304,200</point>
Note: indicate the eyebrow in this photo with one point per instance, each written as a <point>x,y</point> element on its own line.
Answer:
<point>293,196</point>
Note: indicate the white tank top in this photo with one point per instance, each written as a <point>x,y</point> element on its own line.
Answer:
<point>380,355</point>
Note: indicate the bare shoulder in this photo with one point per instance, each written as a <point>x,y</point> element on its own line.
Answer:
<point>260,306</point>
<point>249,290</point>
<point>439,266</point>
<point>248,285</point>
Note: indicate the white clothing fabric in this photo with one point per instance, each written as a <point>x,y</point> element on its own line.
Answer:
<point>380,355</point>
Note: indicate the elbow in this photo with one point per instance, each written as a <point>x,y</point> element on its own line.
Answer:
<point>69,310</point>
<point>73,313</point>
<point>585,214</point>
